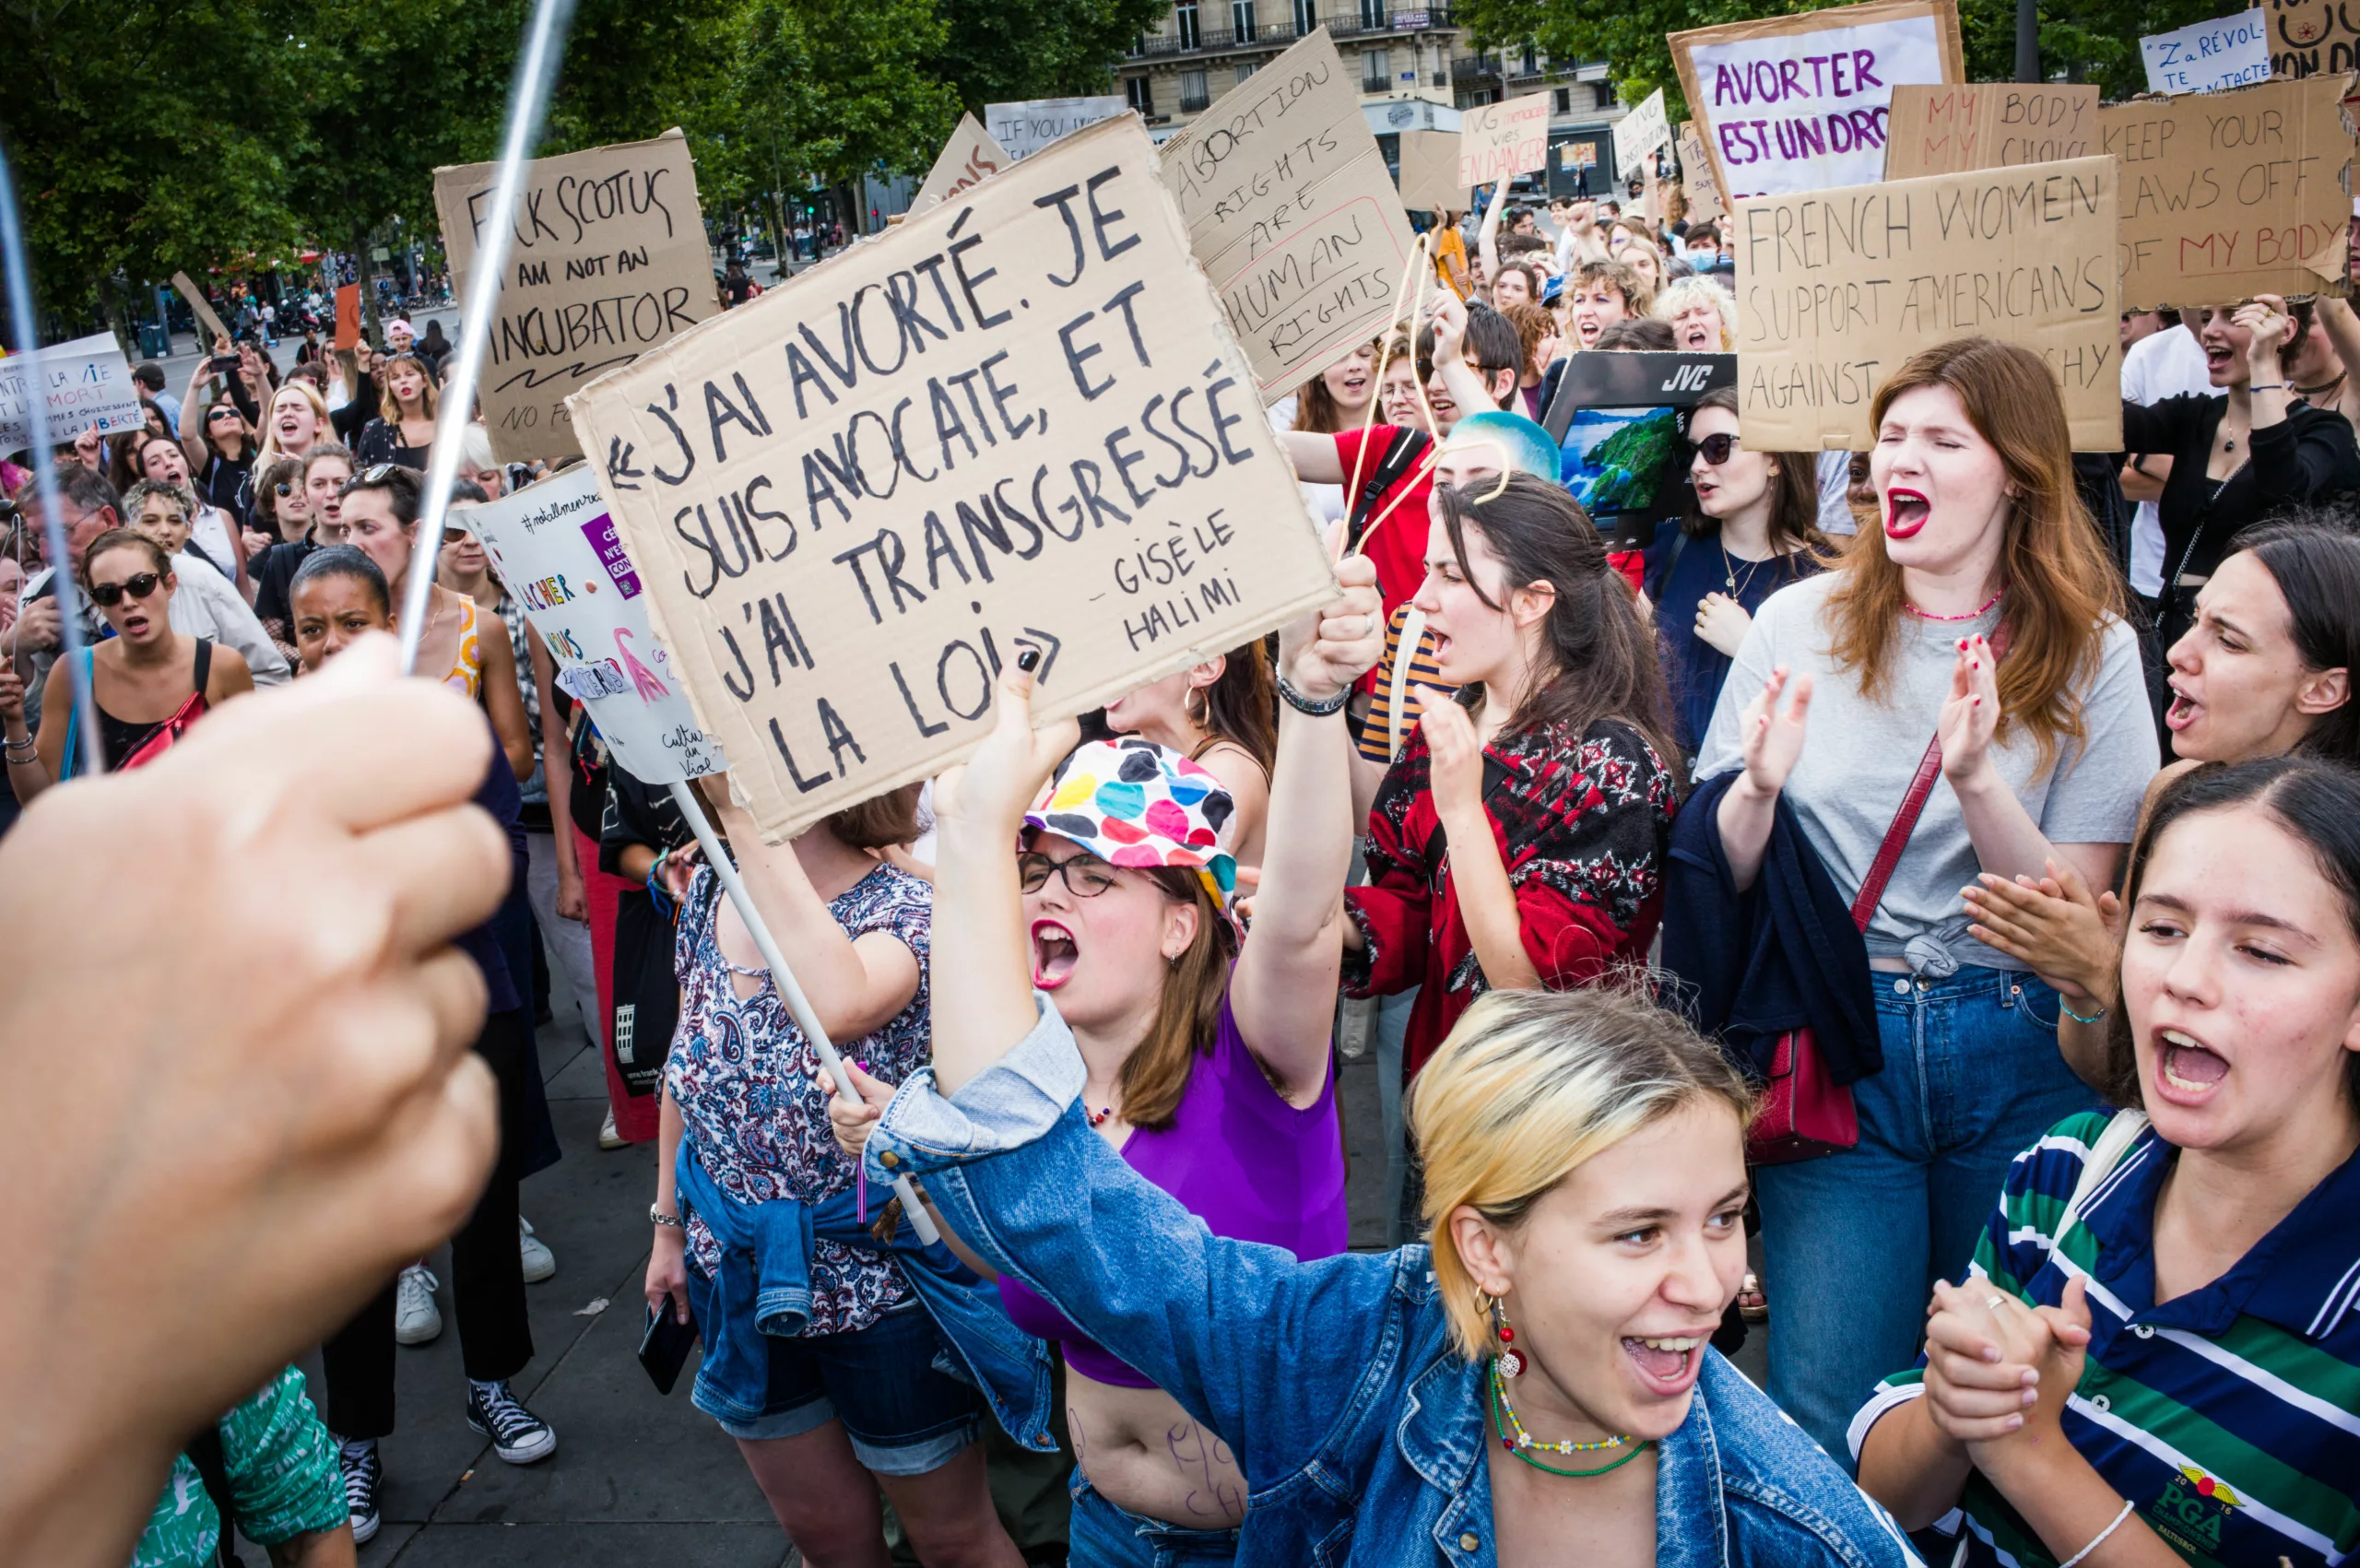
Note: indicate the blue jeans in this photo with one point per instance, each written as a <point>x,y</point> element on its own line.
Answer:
<point>1103,1536</point>
<point>1852,1244</point>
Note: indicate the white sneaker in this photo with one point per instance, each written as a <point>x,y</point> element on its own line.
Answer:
<point>539,1262</point>
<point>416,1318</point>
<point>607,1137</point>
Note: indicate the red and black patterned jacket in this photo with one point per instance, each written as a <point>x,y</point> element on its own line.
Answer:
<point>1582,823</point>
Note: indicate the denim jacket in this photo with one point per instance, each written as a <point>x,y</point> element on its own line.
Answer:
<point>764,1276</point>
<point>1359,1427</point>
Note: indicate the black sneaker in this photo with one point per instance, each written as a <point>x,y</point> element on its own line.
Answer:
<point>364,1476</point>
<point>518,1434</point>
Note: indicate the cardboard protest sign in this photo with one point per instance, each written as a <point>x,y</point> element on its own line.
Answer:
<point>969,156</point>
<point>556,548</point>
<point>1705,204</point>
<point>1639,135</point>
<point>1800,103</point>
<point>2308,38</point>
<point>1430,173</point>
<point>1500,141</point>
<point>610,259</point>
<point>1619,421</point>
<point>2224,53</point>
<point>1016,421</point>
<point>1949,130</point>
<point>84,384</point>
<point>348,317</point>
<point>1840,287</point>
<point>197,304</point>
<point>2231,194</point>
<point>1024,128</point>
<point>1291,214</point>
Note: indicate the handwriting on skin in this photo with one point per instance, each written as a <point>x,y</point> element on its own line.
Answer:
<point>1205,1463</point>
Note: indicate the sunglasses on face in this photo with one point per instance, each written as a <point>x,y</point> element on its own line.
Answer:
<point>111,594</point>
<point>1716,448</point>
<point>1085,875</point>
<point>222,414</point>
<point>284,490</point>
<point>452,536</point>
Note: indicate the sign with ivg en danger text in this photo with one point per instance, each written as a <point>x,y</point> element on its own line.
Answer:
<point>1016,420</point>
<point>609,261</point>
<point>1799,103</point>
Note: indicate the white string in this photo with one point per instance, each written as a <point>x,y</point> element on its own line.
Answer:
<point>528,94</point>
<point>685,797</point>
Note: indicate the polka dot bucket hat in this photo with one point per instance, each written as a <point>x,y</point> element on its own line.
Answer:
<point>1131,802</point>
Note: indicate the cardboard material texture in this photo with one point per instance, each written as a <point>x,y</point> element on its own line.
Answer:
<point>1840,287</point>
<point>2308,38</point>
<point>1499,141</point>
<point>213,330</point>
<point>610,259</point>
<point>1796,103</point>
<point>1430,173</point>
<point>555,547</point>
<point>1026,128</point>
<point>1639,135</point>
<point>2229,194</point>
<point>1291,214</point>
<point>348,317</point>
<point>2207,56</point>
<point>1949,130</point>
<point>85,383</point>
<point>1705,204</point>
<point>969,156</point>
<point>1016,420</point>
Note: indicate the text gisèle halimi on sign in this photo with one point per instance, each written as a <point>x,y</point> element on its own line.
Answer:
<point>1018,419</point>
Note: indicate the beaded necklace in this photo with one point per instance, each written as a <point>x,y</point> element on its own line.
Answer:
<point>1980,609</point>
<point>1518,1441</point>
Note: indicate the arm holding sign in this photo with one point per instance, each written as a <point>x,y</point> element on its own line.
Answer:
<point>1487,240</point>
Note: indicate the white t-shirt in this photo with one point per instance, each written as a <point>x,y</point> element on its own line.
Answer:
<point>1327,501</point>
<point>2163,364</point>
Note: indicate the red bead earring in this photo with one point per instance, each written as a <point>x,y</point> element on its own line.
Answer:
<point>1511,1360</point>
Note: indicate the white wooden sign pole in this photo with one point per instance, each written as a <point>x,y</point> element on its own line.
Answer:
<point>685,797</point>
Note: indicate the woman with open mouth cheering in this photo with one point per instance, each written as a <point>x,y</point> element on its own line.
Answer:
<point>2152,1358</point>
<point>1978,632</point>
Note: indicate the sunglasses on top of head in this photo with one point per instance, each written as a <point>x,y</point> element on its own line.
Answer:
<point>137,586</point>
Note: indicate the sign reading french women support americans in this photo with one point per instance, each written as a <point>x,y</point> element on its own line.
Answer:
<point>1801,103</point>
<point>1016,420</point>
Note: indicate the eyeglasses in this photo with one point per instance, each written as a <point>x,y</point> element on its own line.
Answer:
<point>1716,448</point>
<point>1085,875</point>
<point>110,593</point>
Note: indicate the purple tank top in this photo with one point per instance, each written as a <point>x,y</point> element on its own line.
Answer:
<point>1238,1157</point>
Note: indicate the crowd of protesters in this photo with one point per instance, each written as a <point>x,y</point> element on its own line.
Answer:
<point>1912,899</point>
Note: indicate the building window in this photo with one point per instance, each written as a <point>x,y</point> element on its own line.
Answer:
<point>1531,61</point>
<point>1244,69</point>
<point>1307,17</point>
<point>1603,92</point>
<point>1372,14</point>
<point>1376,70</point>
<point>1191,35</point>
<point>1142,93</point>
<point>1564,100</point>
<point>1241,19</point>
<point>1193,97</point>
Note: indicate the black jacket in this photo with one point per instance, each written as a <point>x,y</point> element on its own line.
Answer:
<point>1751,966</point>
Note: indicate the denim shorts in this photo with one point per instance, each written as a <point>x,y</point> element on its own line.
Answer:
<point>1106,1535</point>
<point>905,1416</point>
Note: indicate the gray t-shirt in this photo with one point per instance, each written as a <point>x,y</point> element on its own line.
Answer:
<point>1859,757</point>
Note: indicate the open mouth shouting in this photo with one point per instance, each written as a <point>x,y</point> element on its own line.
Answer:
<point>1054,954</point>
<point>1666,1366</point>
<point>2218,357</point>
<point>2188,1071</point>
<point>2184,709</point>
<point>1906,513</point>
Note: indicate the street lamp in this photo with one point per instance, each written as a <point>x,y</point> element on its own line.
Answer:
<point>2027,41</point>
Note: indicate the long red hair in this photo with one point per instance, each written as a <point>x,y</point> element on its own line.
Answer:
<point>2062,585</point>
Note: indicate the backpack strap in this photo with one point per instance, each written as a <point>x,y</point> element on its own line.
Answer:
<point>1401,452</point>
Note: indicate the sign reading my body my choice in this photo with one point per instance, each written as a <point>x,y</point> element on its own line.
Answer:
<point>1801,103</point>
<point>556,548</point>
<point>1016,420</point>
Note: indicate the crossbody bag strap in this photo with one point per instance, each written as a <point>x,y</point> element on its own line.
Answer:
<point>1905,821</point>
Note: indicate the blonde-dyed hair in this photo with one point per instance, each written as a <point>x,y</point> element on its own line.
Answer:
<point>271,451</point>
<point>1682,292</point>
<point>1528,1086</point>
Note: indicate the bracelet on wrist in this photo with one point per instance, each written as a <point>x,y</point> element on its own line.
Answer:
<point>656,1216</point>
<point>2097,1540</point>
<point>2267,386</point>
<point>2067,1008</point>
<point>1313,707</point>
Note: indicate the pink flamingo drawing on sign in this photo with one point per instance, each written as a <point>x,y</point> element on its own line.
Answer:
<point>642,680</point>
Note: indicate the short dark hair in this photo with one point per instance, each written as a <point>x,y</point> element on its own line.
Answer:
<point>2314,557</point>
<point>344,560</point>
<point>1704,233</point>
<point>1644,334</point>
<point>86,489</point>
<point>402,487</point>
<point>150,375</point>
<point>1493,338</point>
<point>882,821</point>
<point>126,539</point>
<point>469,492</point>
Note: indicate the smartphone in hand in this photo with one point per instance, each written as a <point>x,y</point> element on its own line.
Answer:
<point>220,364</point>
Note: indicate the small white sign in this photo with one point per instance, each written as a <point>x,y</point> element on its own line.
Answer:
<point>2224,53</point>
<point>1639,135</point>
<point>84,383</point>
<point>555,548</point>
<point>1026,128</point>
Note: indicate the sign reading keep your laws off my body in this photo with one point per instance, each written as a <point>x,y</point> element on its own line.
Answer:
<point>1016,420</point>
